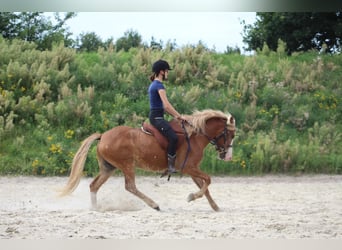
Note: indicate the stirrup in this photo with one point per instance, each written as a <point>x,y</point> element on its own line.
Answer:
<point>166,173</point>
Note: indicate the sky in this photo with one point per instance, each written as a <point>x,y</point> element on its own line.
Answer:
<point>216,30</point>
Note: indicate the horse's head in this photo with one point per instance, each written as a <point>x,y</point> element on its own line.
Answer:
<point>223,141</point>
<point>218,128</point>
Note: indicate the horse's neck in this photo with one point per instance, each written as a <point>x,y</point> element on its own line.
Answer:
<point>200,139</point>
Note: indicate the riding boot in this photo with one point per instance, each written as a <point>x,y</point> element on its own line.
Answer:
<point>171,164</point>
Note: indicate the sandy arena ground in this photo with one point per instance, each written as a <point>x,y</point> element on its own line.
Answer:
<point>270,207</point>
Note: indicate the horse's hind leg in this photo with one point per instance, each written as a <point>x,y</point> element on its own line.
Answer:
<point>106,171</point>
<point>131,187</point>
<point>199,183</point>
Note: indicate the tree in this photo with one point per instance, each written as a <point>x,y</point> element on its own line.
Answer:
<point>90,42</point>
<point>171,45</point>
<point>300,31</point>
<point>36,27</point>
<point>109,44</point>
<point>131,39</point>
<point>156,45</point>
<point>60,32</point>
<point>231,50</point>
<point>7,24</point>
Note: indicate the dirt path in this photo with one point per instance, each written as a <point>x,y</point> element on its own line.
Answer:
<point>270,207</point>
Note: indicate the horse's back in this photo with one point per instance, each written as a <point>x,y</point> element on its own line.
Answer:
<point>117,130</point>
<point>125,138</point>
<point>115,136</point>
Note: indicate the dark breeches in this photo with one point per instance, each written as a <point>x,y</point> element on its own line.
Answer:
<point>164,128</point>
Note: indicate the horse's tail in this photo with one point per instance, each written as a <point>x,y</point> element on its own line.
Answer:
<point>78,165</point>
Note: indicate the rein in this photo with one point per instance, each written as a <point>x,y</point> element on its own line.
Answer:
<point>189,147</point>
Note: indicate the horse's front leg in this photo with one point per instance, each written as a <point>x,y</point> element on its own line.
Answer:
<point>199,183</point>
<point>203,181</point>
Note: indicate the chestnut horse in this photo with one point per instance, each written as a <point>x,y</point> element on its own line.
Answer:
<point>127,148</point>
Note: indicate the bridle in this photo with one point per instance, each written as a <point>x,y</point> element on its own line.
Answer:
<point>214,141</point>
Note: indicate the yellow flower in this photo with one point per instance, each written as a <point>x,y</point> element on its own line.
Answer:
<point>3,92</point>
<point>55,148</point>
<point>62,171</point>
<point>35,163</point>
<point>49,138</point>
<point>69,134</point>
<point>243,164</point>
<point>71,154</point>
<point>238,95</point>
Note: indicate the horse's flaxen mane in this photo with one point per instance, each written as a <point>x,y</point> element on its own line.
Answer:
<point>199,118</point>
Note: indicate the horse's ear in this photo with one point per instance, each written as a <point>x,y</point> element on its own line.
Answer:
<point>231,120</point>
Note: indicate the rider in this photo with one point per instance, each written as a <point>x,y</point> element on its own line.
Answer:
<point>158,104</point>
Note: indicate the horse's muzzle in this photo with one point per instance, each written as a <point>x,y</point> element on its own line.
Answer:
<point>229,154</point>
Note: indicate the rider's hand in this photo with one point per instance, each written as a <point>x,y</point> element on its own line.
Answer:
<point>181,118</point>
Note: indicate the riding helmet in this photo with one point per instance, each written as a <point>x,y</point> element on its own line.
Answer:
<point>160,65</point>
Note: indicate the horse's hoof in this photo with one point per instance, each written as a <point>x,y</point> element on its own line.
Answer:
<point>191,197</point>
<point>157,208</point>
<point>216,209</point>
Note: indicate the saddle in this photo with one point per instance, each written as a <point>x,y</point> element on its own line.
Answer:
<point>149,129</point>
